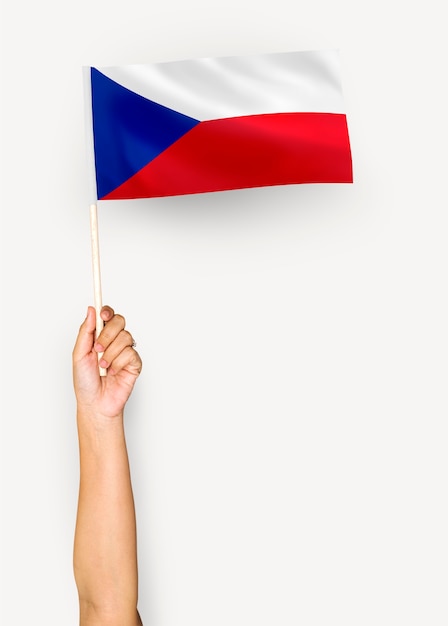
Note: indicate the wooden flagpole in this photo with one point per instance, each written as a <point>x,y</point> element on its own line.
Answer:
<point>96,275</point>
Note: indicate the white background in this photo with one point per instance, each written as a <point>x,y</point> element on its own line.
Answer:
<point>288,434</point>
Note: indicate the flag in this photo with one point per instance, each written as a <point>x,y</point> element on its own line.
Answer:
<point>215,124</point>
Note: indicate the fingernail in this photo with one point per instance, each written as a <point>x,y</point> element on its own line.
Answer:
<point>103,363</point>
<point>98,347</point>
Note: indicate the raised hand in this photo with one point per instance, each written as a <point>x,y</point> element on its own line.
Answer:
<point>104,396</point>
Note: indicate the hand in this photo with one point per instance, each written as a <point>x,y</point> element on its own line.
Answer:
<point>104,396</point>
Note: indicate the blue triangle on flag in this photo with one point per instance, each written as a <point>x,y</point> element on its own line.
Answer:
<point>128,131</point>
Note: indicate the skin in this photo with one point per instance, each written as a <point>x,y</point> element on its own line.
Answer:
<point>105,548</point>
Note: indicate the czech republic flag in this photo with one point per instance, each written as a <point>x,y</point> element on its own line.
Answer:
<point>215,124</point>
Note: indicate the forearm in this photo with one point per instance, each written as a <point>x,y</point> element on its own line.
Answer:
<point>105,555</point>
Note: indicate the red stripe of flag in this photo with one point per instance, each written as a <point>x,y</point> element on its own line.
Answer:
<point>250,151</point>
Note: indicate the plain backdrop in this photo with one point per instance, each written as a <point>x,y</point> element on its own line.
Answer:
<point>288,434</point>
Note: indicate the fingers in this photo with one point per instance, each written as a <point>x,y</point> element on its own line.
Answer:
<point>128,359</point>
<point>116,344</point>
<point>122,340</point>
<point>84,341</point>
<point>114,325</point>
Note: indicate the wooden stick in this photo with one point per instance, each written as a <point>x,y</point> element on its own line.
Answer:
<point>96,276</point>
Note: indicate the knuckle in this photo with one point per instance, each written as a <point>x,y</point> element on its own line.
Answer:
<point>120,319</point>
<point>136,361</point>
<point>133,358</point>
<point>127,337</point>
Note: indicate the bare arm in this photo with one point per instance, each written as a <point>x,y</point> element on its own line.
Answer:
<point>105,550</point>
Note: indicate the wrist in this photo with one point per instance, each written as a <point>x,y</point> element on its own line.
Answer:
<point>92,411</point>
<point>89,418</point>
<point>99,436</point>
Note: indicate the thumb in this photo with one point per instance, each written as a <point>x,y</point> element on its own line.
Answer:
<point>86,335</point>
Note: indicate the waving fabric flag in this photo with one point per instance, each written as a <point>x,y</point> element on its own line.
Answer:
<point>216,124</point>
